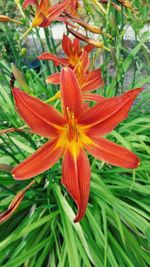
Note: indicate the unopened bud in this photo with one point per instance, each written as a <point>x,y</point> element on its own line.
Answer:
<point>23,51</point>
<point>4,216</point>
<point>86,39</point>
<point>4,18</point>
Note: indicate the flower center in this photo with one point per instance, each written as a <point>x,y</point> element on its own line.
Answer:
<point>74,60</point>
<point>72,131</point>
<point>80,74</point>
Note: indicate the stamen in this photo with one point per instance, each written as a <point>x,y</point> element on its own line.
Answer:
<point>72,131</point>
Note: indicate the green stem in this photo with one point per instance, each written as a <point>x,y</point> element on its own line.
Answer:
<point>122,44</point>
<point>134,71</point>
<point>9,37</point>
<point>47,39</point>
<point>51,68</point>
<point>53,46</point>
<point>26,32</point>
<point>39,38</point>
<point>42,46</point>
<point>21,11</point>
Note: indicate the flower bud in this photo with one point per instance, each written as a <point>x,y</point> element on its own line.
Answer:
<point>4,18</point>
<point>23,51</point>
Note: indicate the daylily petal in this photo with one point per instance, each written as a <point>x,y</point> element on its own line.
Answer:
<point>54,78</point>
<point>94,97</point>
<point>56,10</point>
<point>70,93</point>
<point>77,56</point>
<point>41,160</point>
<point>104,117</point>
<point>72,7</point>
<point>76,179</point>
<point>112,153</point>
<point>4,216</point>
<point>43,119</point>
<point>54,58</point>
<point>88,48</point>
<point>86,105</point>
<point>66,45</point>
<point>44,23</point>
<point>93,81</point>
<point>44,5</point>
<point>76,45</point>
<point>38,19</point>
<point>84,63</point>
<point>45,12</point>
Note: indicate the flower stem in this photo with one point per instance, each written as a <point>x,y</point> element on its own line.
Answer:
<point>53,98</point>
<point>26,32</point>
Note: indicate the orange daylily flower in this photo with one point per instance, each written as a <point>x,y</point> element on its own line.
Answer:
<point>88,80</point>
<point>45,12</point>
<point>77,59</point>
<point>4,216</point>
<point>73,52</point>
<point>71,133</point>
